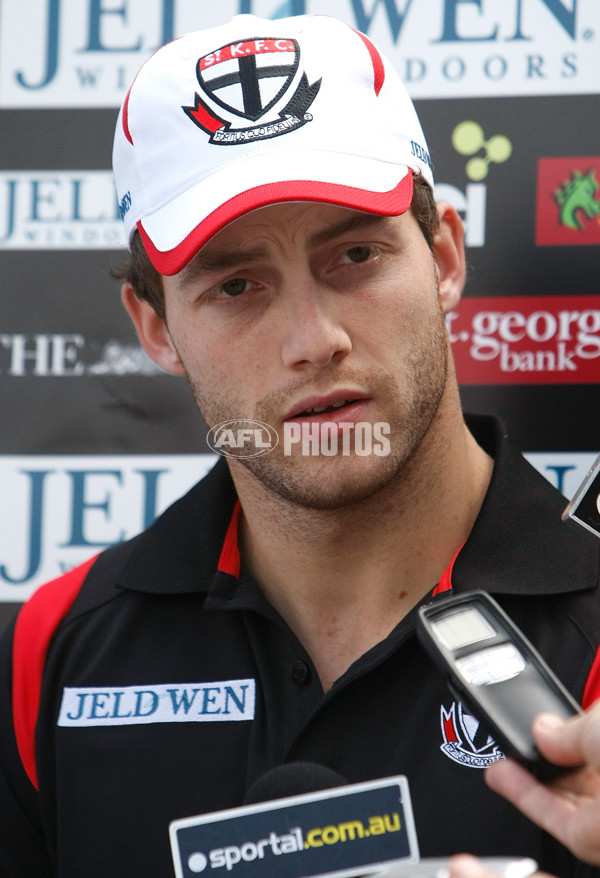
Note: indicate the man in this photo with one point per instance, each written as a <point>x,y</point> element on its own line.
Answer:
<point>288,259</point>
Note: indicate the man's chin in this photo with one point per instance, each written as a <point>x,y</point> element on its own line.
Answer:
<point>324,484</point>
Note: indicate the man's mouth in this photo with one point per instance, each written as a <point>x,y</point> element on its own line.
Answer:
<point>319,410</point>
<point>331,405</point>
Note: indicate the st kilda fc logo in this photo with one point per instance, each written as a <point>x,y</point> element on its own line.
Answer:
<point>465,740</point>
<point>252,81</point>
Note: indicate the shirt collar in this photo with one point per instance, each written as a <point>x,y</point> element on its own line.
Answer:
<point>180,553</point>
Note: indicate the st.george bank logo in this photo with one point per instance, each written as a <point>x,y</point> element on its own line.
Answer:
<point>526,340</point>
<point>568,201</point>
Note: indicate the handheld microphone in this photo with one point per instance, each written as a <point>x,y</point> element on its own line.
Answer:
<point>293,779</point>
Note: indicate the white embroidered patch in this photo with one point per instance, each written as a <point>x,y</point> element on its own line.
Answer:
<point>464,740</point>
<point>222,701</point>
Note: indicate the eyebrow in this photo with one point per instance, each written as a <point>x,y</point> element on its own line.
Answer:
<point>206,263</point>
<point>222,260</point>
<point>355,222</point>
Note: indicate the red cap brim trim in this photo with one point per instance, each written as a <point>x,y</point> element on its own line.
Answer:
<point>391,203</point>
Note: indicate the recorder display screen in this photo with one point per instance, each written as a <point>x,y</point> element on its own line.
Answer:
<point>462,628</point>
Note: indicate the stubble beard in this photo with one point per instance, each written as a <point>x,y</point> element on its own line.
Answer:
<point>329,483</point>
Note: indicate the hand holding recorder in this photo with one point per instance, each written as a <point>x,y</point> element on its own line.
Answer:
<point>569,807</point>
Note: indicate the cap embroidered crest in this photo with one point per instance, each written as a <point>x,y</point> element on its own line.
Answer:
<point>251,80</point>
<point>309,110</point>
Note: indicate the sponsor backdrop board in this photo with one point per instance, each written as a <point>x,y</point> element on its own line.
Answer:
<point>95,440</point>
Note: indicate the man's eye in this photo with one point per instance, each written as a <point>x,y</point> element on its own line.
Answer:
<point>234,287</point>
<point>359,254</point>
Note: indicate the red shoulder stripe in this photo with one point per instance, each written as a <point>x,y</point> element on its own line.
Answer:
<point>591,692</point>
<point>36,623</point>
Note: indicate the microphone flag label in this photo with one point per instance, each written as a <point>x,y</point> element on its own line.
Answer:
<point>334,832</point>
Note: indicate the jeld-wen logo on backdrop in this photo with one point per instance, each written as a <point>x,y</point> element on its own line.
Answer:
<point>63,509</point>
<point>70,53</point>
<point>60,210</point>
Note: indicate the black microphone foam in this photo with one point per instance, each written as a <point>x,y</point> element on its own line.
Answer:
<point>293,779</point>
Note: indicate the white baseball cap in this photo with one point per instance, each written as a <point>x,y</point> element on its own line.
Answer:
<point>223,121</point>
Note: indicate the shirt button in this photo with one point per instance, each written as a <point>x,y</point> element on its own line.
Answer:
<point>300,673</point>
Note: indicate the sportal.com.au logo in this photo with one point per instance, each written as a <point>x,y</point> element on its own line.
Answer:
<point>294,842</point>
<point>245,438</point>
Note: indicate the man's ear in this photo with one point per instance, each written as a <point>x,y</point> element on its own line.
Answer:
<point>152,331</point>
<point>449,255</point>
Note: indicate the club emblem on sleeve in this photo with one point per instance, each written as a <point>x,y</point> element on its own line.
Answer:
<point>465,740</point>
<point>256,81</point>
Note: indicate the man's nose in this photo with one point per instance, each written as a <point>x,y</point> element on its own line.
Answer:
<point>314,333</point>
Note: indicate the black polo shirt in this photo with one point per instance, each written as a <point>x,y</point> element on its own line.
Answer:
<point>156,682</point>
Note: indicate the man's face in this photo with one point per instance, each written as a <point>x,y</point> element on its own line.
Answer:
<point>306,314</point>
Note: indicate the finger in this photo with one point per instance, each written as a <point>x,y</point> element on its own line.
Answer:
<point>572,818</point>
<point>550,808</point>
<point>576,741</point>
<point>466,866</point>
<point>580,782</point>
